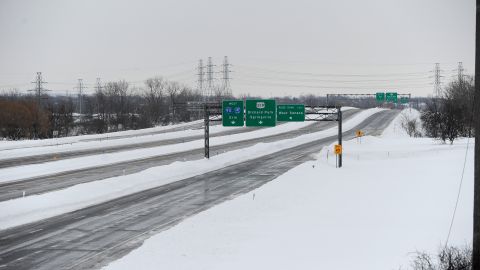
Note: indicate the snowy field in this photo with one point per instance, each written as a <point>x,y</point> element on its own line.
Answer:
<point>36,207</point>
<point>395,195</point>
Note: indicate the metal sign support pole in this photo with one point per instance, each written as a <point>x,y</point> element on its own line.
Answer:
<point>340,135</point>
<point>207,131</point>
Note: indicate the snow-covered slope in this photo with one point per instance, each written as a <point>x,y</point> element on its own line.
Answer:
<point>395,195</point>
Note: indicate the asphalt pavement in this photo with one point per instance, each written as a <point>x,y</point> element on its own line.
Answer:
<point>94,236</point>
<point>42,184</point>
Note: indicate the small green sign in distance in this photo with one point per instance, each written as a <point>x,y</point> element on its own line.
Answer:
<point>291,112</point>
<point>392,97</point>
<point>232,113</point>
<point>380,97</point>
<point>260,113</point>
<point>403,100</point>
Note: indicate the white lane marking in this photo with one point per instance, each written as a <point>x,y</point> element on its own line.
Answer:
<point>34,231</point>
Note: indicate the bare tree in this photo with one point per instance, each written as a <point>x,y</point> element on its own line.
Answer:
<point>154,97</point>
<point>448,258</point>
<point>410,125</point>
<point>173,89</point>
<point>451,115</point>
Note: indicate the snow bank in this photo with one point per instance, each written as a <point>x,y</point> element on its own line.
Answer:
<point>27,171</point>
<point>37,207</point>
<point>17,149</point>
<point>98,144</point>
<point>391,198</point>
<point>9,145</point>
<point>395,128</point>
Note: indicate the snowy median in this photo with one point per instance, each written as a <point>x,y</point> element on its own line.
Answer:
<point>22,144</point>
<point>37,207</point>
<point>19,149</point>
<point>83,145</point>
<point>48,168</point>
<point>395,195</point>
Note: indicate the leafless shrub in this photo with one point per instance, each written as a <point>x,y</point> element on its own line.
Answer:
<point>410,125</point>
<point>448,258</point>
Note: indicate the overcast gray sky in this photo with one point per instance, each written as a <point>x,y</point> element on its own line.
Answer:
<point>275,47</point>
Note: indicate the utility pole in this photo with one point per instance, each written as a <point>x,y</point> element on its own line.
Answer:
<point>201,78</point>
<point>39,90</point>
<point>437,81</point>
<point>476,192</point>
<point>226,77</point>
<point>210,77</point>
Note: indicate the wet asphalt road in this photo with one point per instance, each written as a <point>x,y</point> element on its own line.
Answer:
<point>44,184</point>
<point>94,236</point>
<point>35,159</point>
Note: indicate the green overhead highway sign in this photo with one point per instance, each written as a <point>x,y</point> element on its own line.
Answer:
<point>260,113</point>
<point>403,100</point>
<point>380,97</point>
<point>291,112</point>
<point>392,97</point>
<point>232,113</point>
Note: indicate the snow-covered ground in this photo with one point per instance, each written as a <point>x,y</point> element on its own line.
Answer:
<point>395,195</point>
<point>17,149</point>
<point>82,145</point>
<point>10,145</point>
<point>27,171</point>
<point>36,207</point>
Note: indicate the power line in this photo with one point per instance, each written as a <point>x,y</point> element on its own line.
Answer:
<point>284,78</point>
<point>334,74</point>
<point>366,87</point>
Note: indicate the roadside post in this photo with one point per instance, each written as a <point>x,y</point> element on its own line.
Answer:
<point>206,125</point>
<point>327,113</point>
<point>359,134</point>
<point>338,152</point>
<point>211,113</point>
<point>340,137</point>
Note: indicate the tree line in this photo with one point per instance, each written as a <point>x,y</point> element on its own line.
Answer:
<point>115,106</point>
<point>452,114</point>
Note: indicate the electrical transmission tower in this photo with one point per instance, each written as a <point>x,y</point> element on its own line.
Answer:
<point>80,88</point>
<point>201,78</point>
<point>210,77</point>
<point>226,77</point>
<point>460,73</point>
<point>98,90</point>
<point>39,90</point>
<point>98,85</point>
<point>437,82</point>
